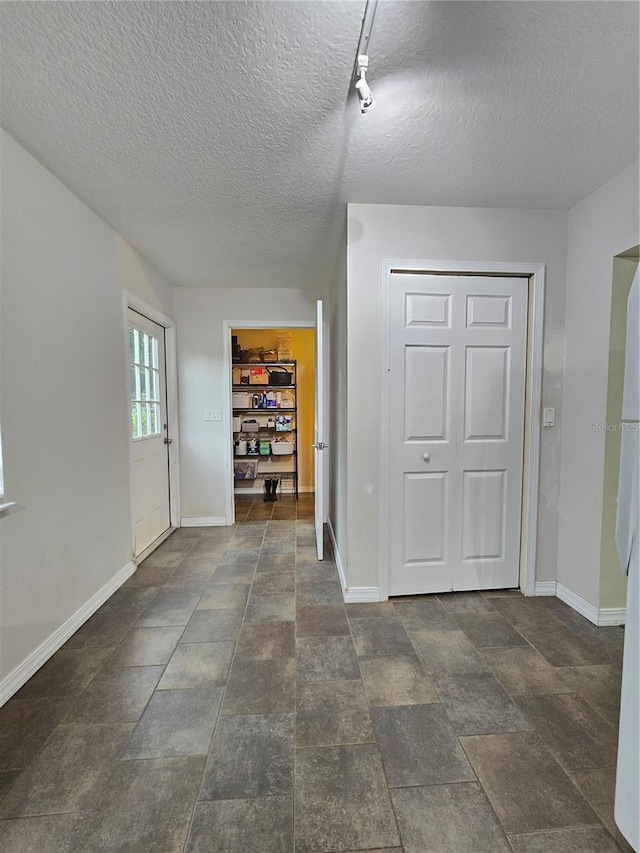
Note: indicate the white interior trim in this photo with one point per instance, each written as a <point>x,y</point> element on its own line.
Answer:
<point>205,521</point>
<point>227,412</point>
<point>535,274</point>
<point>577,603</point>
<point>545,588</point>
<point>354,594</point>
<point>38,657</point>
<point>155,544</point>
<point>612,616</point>
<point>171,378</point>
<point>336,556</point>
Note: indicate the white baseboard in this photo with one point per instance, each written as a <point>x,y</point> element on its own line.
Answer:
<point>545,588</point>
<point>360,594</point>
<point>612,616</point>
<point>354,594</point>
<point>31,664</point>
<point>206,521</point>
<point>579,604</point>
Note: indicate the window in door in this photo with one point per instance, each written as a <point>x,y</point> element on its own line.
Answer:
<point>145,384</point>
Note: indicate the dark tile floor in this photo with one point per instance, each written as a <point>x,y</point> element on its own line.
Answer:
<point>225,700</point>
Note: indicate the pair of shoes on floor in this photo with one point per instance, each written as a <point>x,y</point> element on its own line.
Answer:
<point>270,487</point>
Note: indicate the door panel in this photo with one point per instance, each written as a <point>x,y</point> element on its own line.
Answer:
<point>486,393</point>
<point>149,452</point>
<point>319,445</point>
<point>426,384</point>
<point>457,379</point>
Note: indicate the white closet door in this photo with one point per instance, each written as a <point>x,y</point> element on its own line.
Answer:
<point>457,380</point>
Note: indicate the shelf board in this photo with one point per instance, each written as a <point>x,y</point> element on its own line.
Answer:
<point>255,388</point>
<point>261,411</point>
<point>250,364</point>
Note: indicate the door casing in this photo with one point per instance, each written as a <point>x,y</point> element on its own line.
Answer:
<point>228,325</point>
<point>534,275</point>
<point>136,304</point>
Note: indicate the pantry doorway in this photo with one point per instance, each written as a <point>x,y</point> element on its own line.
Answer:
<point>275,427</point>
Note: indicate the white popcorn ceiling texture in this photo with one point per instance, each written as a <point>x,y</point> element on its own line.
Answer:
<point>219,138</point>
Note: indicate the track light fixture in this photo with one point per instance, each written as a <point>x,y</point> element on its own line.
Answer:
<point>365,94</point>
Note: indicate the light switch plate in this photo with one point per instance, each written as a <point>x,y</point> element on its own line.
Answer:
<point>213,414</point>
<point>549,417</point>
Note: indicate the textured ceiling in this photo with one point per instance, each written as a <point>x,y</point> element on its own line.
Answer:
<point>219,139</point>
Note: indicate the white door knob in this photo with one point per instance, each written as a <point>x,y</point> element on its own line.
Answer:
<point>426,457</point>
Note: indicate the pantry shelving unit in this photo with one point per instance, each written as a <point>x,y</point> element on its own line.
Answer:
<point>269,466</point>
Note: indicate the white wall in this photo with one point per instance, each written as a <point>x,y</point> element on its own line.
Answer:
<point>600,226</point>
<point>200,313</point>
<point>339,402</point>
<point>65,417</point>
<point>380,232</point>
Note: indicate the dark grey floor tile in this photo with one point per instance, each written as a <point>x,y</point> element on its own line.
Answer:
<point>447,819</point>
<point>371,610</point>
<point>307,555</point>
<point>396,681</point>
<point>176,722</point>
<point>325,659</point>
<point>329,620</point>
<point>332,712</point>
<point>147,805</point>
<point>267,583</point>
<point>197,665</point>
<point>526,614</point>
<point>195,569</point>
<point>446,652</point>
<point>593,839</point>
<point>523,671</point>
<point>25,725</point>
<point>489,630</point>
<point>598,787</point>
<point>149,576</point>
<point>277,563</point>
<point>608,640</point>
<point>234,573</point>
<point>67,673</point>
<point>132,599</point>
<point>342,800</point>
<point>116,695</point>
<point>599,685</point>
<point>419,746</point>
<point>271,608</point>
<point>527,788</point>
<point>70,772</point>
<point>62,833</point>
<point>426,615</point>
<point>575,734</point>
<point>146,647</point>
<point>260,825</point>
<point>104,629</point>
<point>7,778</point>
<point>212,626</point>
<point>477,704</point>
<point>465,602</point>
<point>224,597</point>
<point>260,687</point>
<point>170,607</point>
<point>561,647</point>
<point>250,756</point>
<point>380,637</point>
<point>162,558</point>
<point>266,640</point>
<point>208,547</point>
<point>316,572</point>
<point>315,593</point>
<point>278,549</point>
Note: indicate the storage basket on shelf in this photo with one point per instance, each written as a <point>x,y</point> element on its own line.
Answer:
<point>282,448</point>
<point>241,401</point>
<point>280,376</point>
<point>245,470</point>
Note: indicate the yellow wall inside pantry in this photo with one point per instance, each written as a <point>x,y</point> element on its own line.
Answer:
<point>303,351</point>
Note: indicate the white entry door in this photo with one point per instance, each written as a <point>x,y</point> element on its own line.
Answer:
<point>457,393</point>
<point>149,436</point>
<point>319,445</point>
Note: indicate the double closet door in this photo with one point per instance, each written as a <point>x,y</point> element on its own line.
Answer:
<point>457,397</point>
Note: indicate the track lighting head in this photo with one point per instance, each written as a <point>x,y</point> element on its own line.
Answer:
<point>365,94</point>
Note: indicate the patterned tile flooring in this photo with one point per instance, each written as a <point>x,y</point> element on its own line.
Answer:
<point>225,700</point>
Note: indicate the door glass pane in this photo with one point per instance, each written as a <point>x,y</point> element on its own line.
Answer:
<point>144,378</point>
